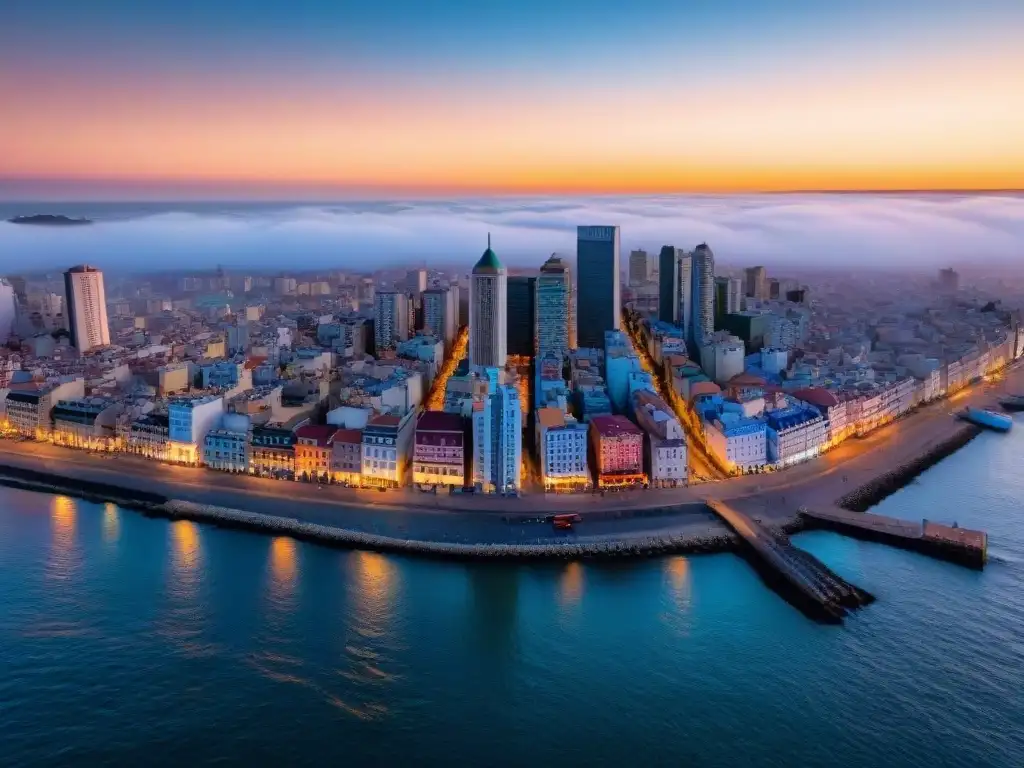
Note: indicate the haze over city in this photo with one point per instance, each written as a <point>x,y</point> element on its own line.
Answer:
<point>512,383</point>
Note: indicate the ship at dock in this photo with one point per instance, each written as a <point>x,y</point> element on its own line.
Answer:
<point>998,422</point>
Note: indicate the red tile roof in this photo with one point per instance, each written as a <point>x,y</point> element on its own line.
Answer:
<point>816,396</point>
<point>320,432</point>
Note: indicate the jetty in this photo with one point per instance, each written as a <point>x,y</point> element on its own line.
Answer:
<point>945,542</point>
<point>797,575</point>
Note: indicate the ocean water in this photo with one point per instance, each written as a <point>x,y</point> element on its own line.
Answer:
<point>130,641</point>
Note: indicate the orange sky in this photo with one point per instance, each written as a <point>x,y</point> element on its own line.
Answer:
<point>955,120</point>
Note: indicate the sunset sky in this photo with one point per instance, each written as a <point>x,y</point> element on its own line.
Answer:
<point>302,99</point>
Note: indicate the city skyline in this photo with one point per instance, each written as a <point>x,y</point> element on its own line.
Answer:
<point>583,98</point>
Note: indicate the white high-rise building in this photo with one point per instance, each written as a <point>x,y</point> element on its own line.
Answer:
<point>8,311</point>
<point>416,281</point>
<point>497,437</point>
<point>488,312</point>
<point>703,284</point>
<point>439,314</point>
<point>734,296</point>
<point>639,268</point>
<point>552,307</point>
<point>85,307</point>
<point>390,319</point>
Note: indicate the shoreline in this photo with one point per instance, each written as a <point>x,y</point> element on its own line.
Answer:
<point>639,524</point>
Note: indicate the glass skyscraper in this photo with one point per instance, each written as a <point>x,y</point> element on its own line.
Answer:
<point>598,303</point>
<point>552,308</point>
<point>520,315</point>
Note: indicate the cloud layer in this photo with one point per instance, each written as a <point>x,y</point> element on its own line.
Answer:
<point>793,230</point>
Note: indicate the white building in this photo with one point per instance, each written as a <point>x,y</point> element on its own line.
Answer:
<point>488,312</point>
<point>795,434</point>
<point>86,308</point>
<point>664,442</point>
<point>416,281</point>
<point>552,308</point>
<point>29,410</point>
<point>189,421</point>
<point>562,448</point>
<point>390,319</point>
<point>8,311</point>
<point>722,357</point>
<point>734,296</point>
<point>639,268</point>
<point>440,315</point>
<point>774,360</point>
<point>738,442</point>
<point>497,438</point>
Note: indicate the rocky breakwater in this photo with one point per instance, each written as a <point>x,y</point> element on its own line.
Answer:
<point>568,547</point>
<point>866,496</point>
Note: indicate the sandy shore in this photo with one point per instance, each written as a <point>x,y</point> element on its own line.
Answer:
<point>631,522</point>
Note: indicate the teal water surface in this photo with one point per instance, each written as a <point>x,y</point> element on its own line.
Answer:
<point>131,641</point>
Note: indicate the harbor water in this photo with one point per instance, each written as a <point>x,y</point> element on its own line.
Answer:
<point>133,641</point>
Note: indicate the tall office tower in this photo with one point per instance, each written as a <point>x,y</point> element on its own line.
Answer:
<point>598,304</point>
<point>521,312</point>
<point>639,268</point>
<point>757,282</point>
<point>416,281</point>
<point>552,308</point>
<point>675,268</point>
<point>774,288</point>
<point>497,437</point>
<point>8,310</point>
<point>438,314</point>
<point>949,280</point>
<point>390,319</point>
<point>85,308</point>
<point>702,323</point>
<point>728,298</point>
<point>487,311</point>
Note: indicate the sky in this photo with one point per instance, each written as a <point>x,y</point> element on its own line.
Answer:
<point>800,231</point>
<point>316,99</point>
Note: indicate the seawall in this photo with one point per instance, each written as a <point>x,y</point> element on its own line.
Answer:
<point>864,497</point>
<point>570,547</point>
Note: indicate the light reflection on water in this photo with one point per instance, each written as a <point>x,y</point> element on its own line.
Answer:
<point>570,585</point>
<point>111,523</point>
<point>65,558</point>
<point>374,586</point>
<point>284,570</point>
<point>186,559</point>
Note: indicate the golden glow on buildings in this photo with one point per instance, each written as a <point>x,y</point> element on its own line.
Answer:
<point>435,400</point>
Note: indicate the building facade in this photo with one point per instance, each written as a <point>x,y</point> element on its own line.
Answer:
<point>88,423</point>
<point>384,455</point>
<point>738,443</point>
<point>617,452</point>
<point>497,440</point>
<point>756,283</point>
<point>488,315</point>
<point>391,320</point>
<point>440,316</point>
<point>639,268</point>
<point>598,300</point>
<point>439,450</point>
<point>562,448</point>
<point>552,309</point>
<point>272,452</point>
<point>85,303</point>
<point>520,315</point>
<point>149,436</point>
<point>702,321</point>
<point>313,451</point>
<point>190,419</point>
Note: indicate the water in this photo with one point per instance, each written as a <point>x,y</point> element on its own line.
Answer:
<point>131,641</point>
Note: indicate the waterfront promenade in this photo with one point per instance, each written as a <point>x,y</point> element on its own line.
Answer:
<point>773,498</point>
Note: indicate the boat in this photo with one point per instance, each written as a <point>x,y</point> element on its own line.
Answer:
<point>998,422</point>
<point>1012,403</point>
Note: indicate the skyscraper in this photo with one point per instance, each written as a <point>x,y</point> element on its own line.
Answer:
<point>85,306</point>
<point>521,312</point>
<point>439,314</point>
<point>487,312</point>
<point>756,282</point>
<point>497,437</point>
<point>390,319</point>
<point>597,284</point>
<point>728,298</point>
<point>639,268</point>
<point>703,304</point>
<point>949,280</point>
<point>552,308</point>
<point>8,310</point>
<point>674,278</point>
<point>416,282</point>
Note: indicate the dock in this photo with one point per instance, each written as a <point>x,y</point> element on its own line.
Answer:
<point>797,575</point>
<point>945,542</point>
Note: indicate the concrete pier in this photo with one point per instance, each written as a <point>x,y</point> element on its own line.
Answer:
<point>797,575</point>
<point>958,545</point>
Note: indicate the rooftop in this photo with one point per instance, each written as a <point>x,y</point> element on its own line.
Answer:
<point>488,262</point>
<point>439,421</point>
<point>614,426</point>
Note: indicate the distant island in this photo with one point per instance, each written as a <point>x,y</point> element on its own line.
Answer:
<point>49,220</point>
